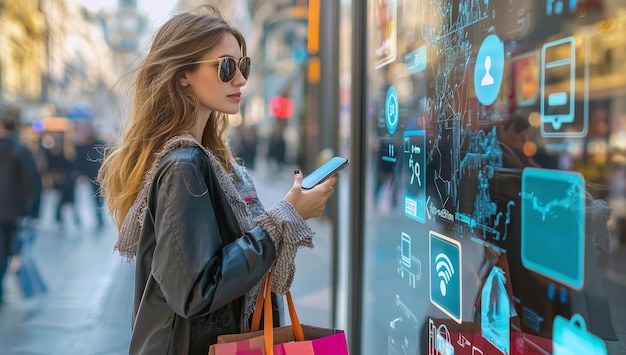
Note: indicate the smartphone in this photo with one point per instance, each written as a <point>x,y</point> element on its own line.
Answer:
<point>558,79</point>
<point>325,171</point>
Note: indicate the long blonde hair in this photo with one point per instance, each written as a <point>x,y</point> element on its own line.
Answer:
<point>162,109</point>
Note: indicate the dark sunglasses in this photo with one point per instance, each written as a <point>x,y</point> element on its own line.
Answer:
<point>227,67</point>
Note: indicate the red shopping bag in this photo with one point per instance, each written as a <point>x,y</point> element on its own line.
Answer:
<point>295,339</point>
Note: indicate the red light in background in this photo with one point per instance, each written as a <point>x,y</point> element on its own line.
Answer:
<point>281,107</point>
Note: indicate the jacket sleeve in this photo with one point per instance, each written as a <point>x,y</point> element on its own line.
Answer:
<point>290,233</point>
<point>197,274</point>
<point>286,227</point>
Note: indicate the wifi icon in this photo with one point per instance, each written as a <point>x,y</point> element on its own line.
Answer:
<point>445,270</point>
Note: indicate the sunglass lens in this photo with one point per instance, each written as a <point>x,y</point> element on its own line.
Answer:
<point>228,67</point>
<point>244,66</point>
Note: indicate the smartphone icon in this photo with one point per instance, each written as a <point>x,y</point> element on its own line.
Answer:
<point>325,171</point>
<point>558,70</point>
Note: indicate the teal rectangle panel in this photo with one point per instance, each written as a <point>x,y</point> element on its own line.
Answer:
<point>552,232</point>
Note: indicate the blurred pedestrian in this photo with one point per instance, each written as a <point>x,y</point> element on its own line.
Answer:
<point>62,174</point>
<point>246,146</point>
<point>89,154</point>
<point>277,149</point>
<point>20,192</point>
<point>187,212</point>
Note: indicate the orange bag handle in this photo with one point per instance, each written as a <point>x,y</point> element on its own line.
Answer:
<point>256,316</point>
<point>265,298</point>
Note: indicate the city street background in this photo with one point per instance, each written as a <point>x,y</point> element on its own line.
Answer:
<point>87,309</point>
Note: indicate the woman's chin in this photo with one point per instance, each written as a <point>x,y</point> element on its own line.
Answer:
<point>232,111</point>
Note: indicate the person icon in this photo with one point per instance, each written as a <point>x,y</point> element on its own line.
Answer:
<point>487,79</point>
<point>489,70</point>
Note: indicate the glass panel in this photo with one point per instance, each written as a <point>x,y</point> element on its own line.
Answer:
<point>496,177</point>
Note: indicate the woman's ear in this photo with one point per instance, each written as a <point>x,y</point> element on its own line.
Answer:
<point>183,80</point>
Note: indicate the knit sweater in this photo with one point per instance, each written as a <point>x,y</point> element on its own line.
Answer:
<point>282,222</point>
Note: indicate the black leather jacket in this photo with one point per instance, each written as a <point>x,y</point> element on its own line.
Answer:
<point>194,263</point>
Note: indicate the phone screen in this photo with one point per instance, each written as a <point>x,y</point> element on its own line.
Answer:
<point>558,82</point>
<point>325,171</point>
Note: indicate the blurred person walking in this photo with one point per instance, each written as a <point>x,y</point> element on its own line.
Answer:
<point>20,192</point>
<point>277,149</point>
<point>61,175</point>
<point>282,108</point>
<point>89,155</point>
<point>188,214</point>
<point>246,146</point>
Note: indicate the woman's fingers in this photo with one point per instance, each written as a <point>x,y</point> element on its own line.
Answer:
<point>310,203</point>
<point>297,178</point>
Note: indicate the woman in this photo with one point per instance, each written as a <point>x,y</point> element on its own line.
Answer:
<point>186,211</point>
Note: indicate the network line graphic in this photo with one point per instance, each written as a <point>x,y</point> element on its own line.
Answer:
<point>569,202</point>
<point>452,112</point>
<point>481,163</point>
<point>468,13</point>
<point>459,153</point>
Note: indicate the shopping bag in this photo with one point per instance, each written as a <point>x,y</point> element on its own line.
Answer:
<point>295,339</point>
<point>28,276</point>
<point>571,337</point>
<point>321,341</point>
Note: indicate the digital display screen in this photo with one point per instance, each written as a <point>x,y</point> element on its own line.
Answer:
<point>496,193</point>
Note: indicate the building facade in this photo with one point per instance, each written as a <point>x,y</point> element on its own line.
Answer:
<point>22,37</point>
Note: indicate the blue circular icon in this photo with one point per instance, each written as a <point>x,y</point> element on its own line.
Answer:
<point>391,110</point>
<point>489,69</point>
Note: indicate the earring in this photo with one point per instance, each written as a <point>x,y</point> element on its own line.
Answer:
<point>184,84</point>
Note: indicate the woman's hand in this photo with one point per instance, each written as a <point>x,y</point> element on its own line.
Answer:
<point>310,203</point>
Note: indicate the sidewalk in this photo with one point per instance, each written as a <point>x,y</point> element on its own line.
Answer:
<point>87,309</point>
<point>88,304</point>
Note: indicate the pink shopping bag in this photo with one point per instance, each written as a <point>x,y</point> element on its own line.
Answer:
<point>295,339</point>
